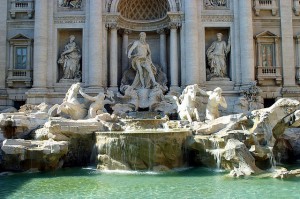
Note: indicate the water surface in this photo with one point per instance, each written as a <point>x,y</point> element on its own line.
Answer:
<point>191,183</point>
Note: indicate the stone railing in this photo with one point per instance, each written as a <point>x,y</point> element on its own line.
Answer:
<point>19,75</point>
<point>265,5</point>
<point>22,7</point>
<point>296,7</point>
<point>267,73</point>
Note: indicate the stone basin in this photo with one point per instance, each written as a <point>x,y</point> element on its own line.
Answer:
<point>142,149</point>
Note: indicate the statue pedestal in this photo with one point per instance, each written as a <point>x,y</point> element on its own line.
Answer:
<point>143,96</point>
<point>221,82</point>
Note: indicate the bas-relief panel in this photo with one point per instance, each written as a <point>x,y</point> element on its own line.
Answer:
<point>215,4</point>
<point>70,5</point>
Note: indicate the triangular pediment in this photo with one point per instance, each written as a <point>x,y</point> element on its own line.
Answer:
<point>20,37</point>
<point>266,34</point>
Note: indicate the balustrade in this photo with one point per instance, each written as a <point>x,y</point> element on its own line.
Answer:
<point>265,5</point>
<point>18,6</point>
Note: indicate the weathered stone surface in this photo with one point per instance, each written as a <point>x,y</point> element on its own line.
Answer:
<point>20,155</point>
<point>19,125</point>
<point>141,150</point>
<point>283,173</point>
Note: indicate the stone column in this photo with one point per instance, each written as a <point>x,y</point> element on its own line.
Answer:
<point>40,44</point>
<point>192,42</point>
<point>3,33</point>
<point>95,40</point>
<point>287,42</point>
<point>298,59</point>
<point>163,50</point>
<point>246,42</point>
<point>113,57</point>
<point>174,73</point>
<point>125,61</point>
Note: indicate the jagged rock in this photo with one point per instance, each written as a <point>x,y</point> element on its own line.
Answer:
<point>20,155</point>
<point>20,125</point>
<point>30,108</point>
<point>61,129</point>
<point>287,174</point>
<point>105,162</point>
<point>239,159</point>
<point>230,122</point>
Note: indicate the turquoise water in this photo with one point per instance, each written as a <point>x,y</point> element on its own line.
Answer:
<point>191,183</point>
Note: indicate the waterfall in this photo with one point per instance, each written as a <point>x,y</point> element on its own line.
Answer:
<point>216,152</point>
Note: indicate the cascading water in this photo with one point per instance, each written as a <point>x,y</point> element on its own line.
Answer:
<point>216,152</point>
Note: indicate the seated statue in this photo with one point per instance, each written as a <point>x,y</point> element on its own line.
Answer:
<point>70,60</point>
<point>71,106</point>
<point>142,64</point>
<point>98,102</point>
<point>215,99</point>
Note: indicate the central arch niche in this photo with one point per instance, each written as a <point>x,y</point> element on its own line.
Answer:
<point>138,10</point>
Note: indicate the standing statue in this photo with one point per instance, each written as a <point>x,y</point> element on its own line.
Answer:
<point>215,99</point>
<point>98,102</point>
<point>70,60</point>
<point>142,64</point>
<point>216,55</point>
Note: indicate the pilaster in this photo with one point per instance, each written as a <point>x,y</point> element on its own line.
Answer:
<point>287,39</point>
<point>246,42</point>
<point>192,43</point>
<point>95,40</point>
<point>40,44</point>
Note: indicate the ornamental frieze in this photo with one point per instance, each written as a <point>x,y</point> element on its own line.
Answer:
<point>69,19</point>
<point>217,18</point>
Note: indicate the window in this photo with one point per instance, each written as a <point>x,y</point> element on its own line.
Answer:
<point>20,61</point>
<point>21,58</point>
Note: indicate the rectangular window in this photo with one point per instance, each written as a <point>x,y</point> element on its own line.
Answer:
<point>267,55</point>
<point>21,58</point>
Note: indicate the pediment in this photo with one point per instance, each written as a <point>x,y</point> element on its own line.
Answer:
<point>20,37</point>
<point>267,34</point>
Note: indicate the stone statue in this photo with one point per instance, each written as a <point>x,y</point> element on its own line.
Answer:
<point>98,102</point>
<point>71,106</point>
<point>70,60</point>
<point>216,55</point>
<point>215,99</point>
<point>142,64</point>
<point>187,103</point>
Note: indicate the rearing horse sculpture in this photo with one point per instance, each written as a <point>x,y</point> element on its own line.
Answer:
<point>187,109</point>
<point>71,106</point>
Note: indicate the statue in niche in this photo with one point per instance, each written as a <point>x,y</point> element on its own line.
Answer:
<point>142,64</point>
<point>70,60</point>
<point>70,3</point>
<point>216,55</point>
<point>214,100</point>
<point>98,102</point>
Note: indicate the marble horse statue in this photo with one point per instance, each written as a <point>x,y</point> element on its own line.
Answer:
<point>71,106</point>
<point>187,103</point>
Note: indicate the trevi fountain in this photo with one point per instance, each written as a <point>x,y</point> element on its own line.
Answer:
<point>144,135</point>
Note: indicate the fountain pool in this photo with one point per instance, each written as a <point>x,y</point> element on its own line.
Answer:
<point>190,183</point>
